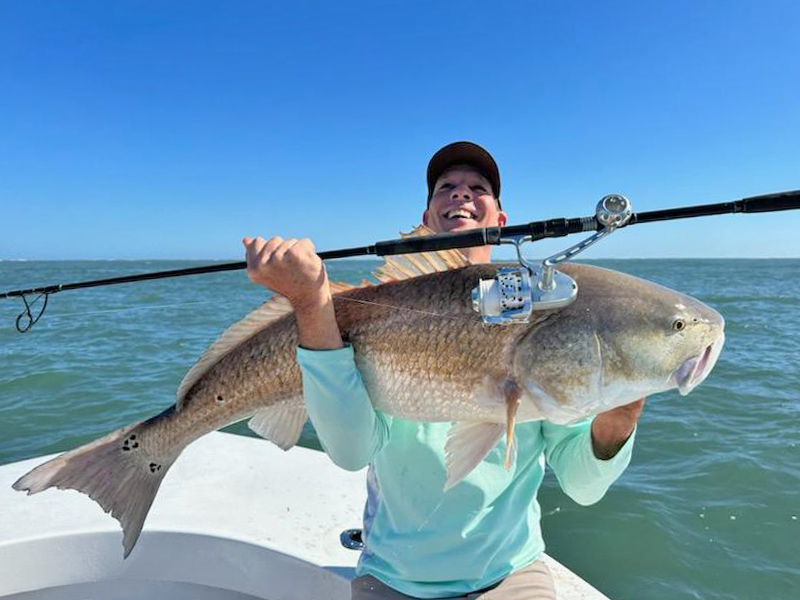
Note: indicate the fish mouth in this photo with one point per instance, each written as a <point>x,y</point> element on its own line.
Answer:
<point>695,369</point>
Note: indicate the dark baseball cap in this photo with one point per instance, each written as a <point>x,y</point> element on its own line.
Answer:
<point>464,153</point>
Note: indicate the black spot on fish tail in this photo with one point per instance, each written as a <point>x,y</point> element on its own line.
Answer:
<point>122,483</point>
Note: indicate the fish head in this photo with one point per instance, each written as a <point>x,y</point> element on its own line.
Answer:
<point>622,339</point>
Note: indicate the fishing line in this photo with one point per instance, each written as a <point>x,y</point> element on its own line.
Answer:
<point>114,310</point>
<point>416,310</point>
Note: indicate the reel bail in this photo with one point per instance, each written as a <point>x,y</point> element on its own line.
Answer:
<point>516,292</point>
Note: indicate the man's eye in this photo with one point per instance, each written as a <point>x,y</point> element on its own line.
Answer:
<point>445,186</point>
<point>478,188</point>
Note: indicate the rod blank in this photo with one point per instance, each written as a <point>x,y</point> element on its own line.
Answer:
<point>536,230</point>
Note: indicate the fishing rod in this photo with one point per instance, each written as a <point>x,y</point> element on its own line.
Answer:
<point>516,292</point>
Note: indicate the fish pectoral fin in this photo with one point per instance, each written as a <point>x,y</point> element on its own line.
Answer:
<point>468,443</point>
<point>512,395</point>
<point>281,423</point>
<point>510,443</point>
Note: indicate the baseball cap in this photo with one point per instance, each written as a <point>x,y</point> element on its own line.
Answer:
<point>463,153</point>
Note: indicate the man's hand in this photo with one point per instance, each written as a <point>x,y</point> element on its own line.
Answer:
<point>288,267</point>
<point>610,430</point>
<point>293,269</point>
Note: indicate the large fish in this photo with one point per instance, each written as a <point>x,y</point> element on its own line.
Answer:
<point>424,355</point>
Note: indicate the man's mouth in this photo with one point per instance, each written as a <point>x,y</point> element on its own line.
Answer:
<point>460,214</point>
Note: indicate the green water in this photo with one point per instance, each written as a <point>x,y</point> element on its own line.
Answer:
<point>709,508</point>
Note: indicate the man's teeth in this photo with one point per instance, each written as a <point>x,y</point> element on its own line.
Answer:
<point>465,214</point>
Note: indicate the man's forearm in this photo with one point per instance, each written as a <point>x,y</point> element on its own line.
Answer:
<point>607,442</point>
<point>610,430</point>
<point>316,325</point>
<point>292,269</point>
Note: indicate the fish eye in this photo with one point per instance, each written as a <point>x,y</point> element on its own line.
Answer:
<point>678,325</point>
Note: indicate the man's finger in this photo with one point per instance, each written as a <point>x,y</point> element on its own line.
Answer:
<point>266,251</point>
<point>308,244</point>
<point>252,248</point>
<point>281,250</point>
<point>303,246</point>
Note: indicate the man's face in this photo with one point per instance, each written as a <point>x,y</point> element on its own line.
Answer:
<point>462,199</point>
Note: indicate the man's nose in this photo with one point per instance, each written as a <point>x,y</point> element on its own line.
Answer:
<point>461,192</point>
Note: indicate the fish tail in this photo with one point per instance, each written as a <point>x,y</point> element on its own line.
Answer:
<point>116,471</point>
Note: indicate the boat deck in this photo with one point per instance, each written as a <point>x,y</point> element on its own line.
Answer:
<point>236,518</point>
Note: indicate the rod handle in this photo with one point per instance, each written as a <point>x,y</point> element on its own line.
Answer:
<point>772,202</point>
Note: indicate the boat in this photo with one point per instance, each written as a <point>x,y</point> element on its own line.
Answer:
<point>236,519</point>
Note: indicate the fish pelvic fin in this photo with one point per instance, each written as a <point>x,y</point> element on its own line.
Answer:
<point>281,423</point>
<point>272,310</point>
<point>467,444</point>
<point>114,471</point>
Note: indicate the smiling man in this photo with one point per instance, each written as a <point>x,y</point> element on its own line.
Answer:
<point>464,193</point>
<point>480,539</point>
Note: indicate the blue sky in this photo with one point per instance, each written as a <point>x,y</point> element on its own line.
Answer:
<point>144,129</point>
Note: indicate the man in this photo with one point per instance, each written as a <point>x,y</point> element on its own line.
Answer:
<point>480,539</point>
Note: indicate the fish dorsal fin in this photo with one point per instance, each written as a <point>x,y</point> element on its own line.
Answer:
<point>406,266</point>
<point>269,312</point>
<point>340,286</point>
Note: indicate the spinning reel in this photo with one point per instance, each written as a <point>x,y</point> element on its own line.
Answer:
<point>516,292</point>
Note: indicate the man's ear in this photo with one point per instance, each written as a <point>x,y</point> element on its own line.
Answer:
<point>502,219</point>
<point>425,218</point>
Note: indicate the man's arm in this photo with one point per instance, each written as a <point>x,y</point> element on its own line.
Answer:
<point>588,456</point>
<point>349,429</point>
<point>611,429</point>
<point>292,268</point>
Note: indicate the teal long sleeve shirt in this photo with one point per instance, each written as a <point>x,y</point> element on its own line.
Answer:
<point>420,540</point>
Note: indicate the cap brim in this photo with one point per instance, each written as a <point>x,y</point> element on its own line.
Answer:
<point>463,153</point>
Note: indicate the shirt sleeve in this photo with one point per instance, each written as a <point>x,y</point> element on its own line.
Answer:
<point>583,477</point>
<point>350,430</point>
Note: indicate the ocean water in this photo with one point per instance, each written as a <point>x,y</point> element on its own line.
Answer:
<point>709,507</point>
